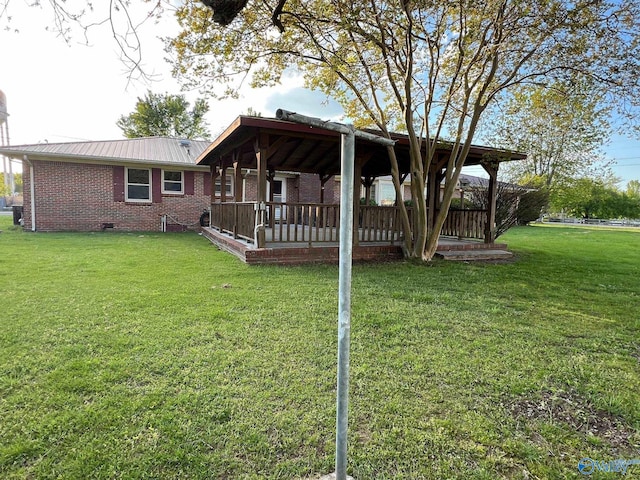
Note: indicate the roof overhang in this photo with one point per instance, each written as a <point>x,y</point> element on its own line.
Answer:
<point>302,148</point>
<point>89,160</point>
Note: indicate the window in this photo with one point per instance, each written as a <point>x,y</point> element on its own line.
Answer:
<point>387,193</point>
<point>172,182</point>
<point>372,193</point>
<point>138,185</point>
<point>228,185</point>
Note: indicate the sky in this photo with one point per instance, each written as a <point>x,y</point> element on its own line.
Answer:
<point>65,92</point>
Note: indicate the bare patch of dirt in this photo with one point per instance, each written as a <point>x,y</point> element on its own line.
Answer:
<point>579,414</point>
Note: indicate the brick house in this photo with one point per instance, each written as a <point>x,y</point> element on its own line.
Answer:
<point>135,184</point>
<point>267,183</point>
<point>141,184</point>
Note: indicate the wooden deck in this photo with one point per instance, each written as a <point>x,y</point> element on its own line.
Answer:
<point>294,233</point>
<point>328,251</point>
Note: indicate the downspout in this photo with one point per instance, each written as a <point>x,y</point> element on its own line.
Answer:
<point>32,192</point>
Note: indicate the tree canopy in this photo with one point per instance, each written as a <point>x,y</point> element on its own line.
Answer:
<point>596,198</point>
<point>166,115</point>
<point>560,127</point>
<point>428,68</point>
<point>633,189</point>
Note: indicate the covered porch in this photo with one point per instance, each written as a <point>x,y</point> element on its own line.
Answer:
<point>256,224</point>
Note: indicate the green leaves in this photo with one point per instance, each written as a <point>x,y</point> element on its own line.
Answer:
<point>166,115</point>
<point>595,198</point>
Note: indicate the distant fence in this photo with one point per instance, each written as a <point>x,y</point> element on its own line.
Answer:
<point>593,221</point>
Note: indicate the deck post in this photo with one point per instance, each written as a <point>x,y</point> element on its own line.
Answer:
<point>490,227</point>
<point>433,192</point>
<point>214,177</point>
<point>261,159</point>
<point>323,180</point>
<point>237,178</point>
<point>357,189</point>
<point>212,191</point>
<point>223,184</point>
<point>271,217</point>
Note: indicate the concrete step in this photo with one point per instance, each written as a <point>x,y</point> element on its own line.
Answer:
<point>446,245</point>
<point>474,255</point>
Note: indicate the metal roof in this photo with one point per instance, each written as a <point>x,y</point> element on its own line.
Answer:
<point>302,148</point>
<point>148,150</point>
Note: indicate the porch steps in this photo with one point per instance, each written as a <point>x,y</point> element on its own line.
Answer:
<point>452,248</point>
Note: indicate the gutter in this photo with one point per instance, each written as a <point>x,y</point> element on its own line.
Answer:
<point>32,192</point>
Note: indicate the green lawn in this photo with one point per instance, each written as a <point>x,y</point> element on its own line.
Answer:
<point>158,356</point>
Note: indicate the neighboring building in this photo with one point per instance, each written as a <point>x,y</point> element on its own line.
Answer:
<point>135,184</point>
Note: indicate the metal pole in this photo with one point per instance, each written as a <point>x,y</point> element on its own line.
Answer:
<point>344,300</point>
<point>333,126</point>
<point>348,136</point>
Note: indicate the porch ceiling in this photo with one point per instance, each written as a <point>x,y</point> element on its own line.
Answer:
<point>301,148</point>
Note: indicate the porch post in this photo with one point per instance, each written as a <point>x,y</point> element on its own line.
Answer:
<point>223,184</point>
<point>323,180</point>
<point>431,195</point>
<point>434,177</point>
<point>214,175</point>
<point>261,159</point>
<point>271,175</point>
<point>237,178</point>
<point>368,183</point>
<point>214,212</point>
<point>490,227</point>
<point>357,188</point>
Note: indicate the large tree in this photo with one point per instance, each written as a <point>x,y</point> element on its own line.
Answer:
<point>633,189</point>
<point>429,68</point>
<point>560,127</point>
<point>595,198</point>
<point>166,115</point>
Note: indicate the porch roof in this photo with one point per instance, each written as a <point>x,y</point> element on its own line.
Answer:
<point>302,148</point>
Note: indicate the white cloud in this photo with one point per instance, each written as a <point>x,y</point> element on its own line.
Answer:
<point>61,92</point>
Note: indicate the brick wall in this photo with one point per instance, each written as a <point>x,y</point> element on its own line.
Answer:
<point>251,188</point>
<point>80,197</point>
<point>309,188</point>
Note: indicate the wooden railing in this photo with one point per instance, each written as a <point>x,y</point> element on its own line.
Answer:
<point>237,219</point>
<point>379,224</point>
<point>320,223</point>
<point>468,223</point>
<point>303,222</point>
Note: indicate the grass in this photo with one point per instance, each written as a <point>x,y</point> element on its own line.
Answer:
<point>157,356</point>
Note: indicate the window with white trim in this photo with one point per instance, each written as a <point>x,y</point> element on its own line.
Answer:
<point>172,182</point>
<point>138,185</point>
<point>228,186</point>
